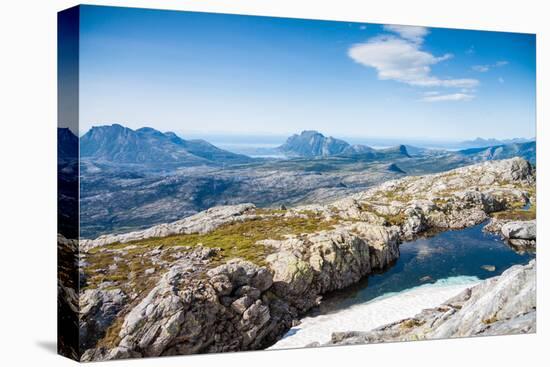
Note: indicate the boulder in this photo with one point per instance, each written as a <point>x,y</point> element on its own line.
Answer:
<point>98,310</point>
<point>520,230</point>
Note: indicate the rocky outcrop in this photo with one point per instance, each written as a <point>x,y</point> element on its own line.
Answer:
<point>229,309</point>
<point>306,267</point>
<point>521,235</point>
<point>98,309</point>
<point>451,200</point>
<point>501,305</point>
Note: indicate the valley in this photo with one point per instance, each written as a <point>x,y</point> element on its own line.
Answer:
<point>134,179</point>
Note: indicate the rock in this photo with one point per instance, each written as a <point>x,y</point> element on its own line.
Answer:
<point>426,278</point>
<point>98,310</point>
<point>241,304</point>
<point>521,230</point>
<point>185,314</point>
<point>520,235</point>
<point>488,267</point>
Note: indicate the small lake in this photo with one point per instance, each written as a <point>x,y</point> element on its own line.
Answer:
<point>452,254</point>
<point>429,271</point>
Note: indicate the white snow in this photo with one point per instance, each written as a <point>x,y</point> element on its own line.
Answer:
<point>382,310</point>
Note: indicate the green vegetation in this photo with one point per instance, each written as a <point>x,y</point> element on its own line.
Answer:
<point>517,214</point>
<point>396,195</point>
<point>237,239</point>
<point>411,323</point>
<point>112,338</point>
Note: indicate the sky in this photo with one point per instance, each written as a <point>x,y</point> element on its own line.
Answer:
<point>204,74</point>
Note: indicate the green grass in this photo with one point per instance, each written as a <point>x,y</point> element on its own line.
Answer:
<point>517,214</point>
<point>396,195</point>
<point>233,240</point>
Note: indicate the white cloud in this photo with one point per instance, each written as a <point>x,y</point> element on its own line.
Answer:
<point>486,68</point>
<point>449,97</point>
<point>402,60</point>
<point>431,93</point>
<point>411,33</point>
<point>480,68</point>
<point>501,80</point>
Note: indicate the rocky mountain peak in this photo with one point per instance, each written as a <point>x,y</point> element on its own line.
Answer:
<point>118,144</point>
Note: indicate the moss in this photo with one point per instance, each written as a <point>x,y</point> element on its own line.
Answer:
<point>490,320</point>
<point>238,239</point>
<point>517,214</point>
<point>396,195</point>
<point>112,338</point>
<point>395,220</point>
<point>410,323</point>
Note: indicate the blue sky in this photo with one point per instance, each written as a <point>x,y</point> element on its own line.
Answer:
<point>201,73</point>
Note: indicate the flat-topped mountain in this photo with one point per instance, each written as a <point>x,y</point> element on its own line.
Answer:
<point>119,144</point>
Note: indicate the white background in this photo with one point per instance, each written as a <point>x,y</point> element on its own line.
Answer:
<point>28,181</point>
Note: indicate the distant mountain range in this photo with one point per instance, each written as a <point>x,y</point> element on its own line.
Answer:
<point>527,151</point>
<point>119,144</point>
<point>482,143</point>
<point>147,146</point>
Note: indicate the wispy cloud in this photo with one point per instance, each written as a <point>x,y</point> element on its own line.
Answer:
<point>480,68</point>
<point>448,97</point>
<point>486,68</point>
<point>402,60</point>
<point>410,33</point>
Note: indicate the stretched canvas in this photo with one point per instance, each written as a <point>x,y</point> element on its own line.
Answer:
<point>231,183</point>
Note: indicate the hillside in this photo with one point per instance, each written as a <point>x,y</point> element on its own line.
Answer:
<point>235,277</point>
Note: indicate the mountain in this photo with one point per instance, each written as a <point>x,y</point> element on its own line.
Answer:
<point>483,143</point>
<point>311,143</point>
<point>400,150</point>
<point>359,149</point>
<point>119,144</point>
<point>67,144</point>
<point>527,151</point>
